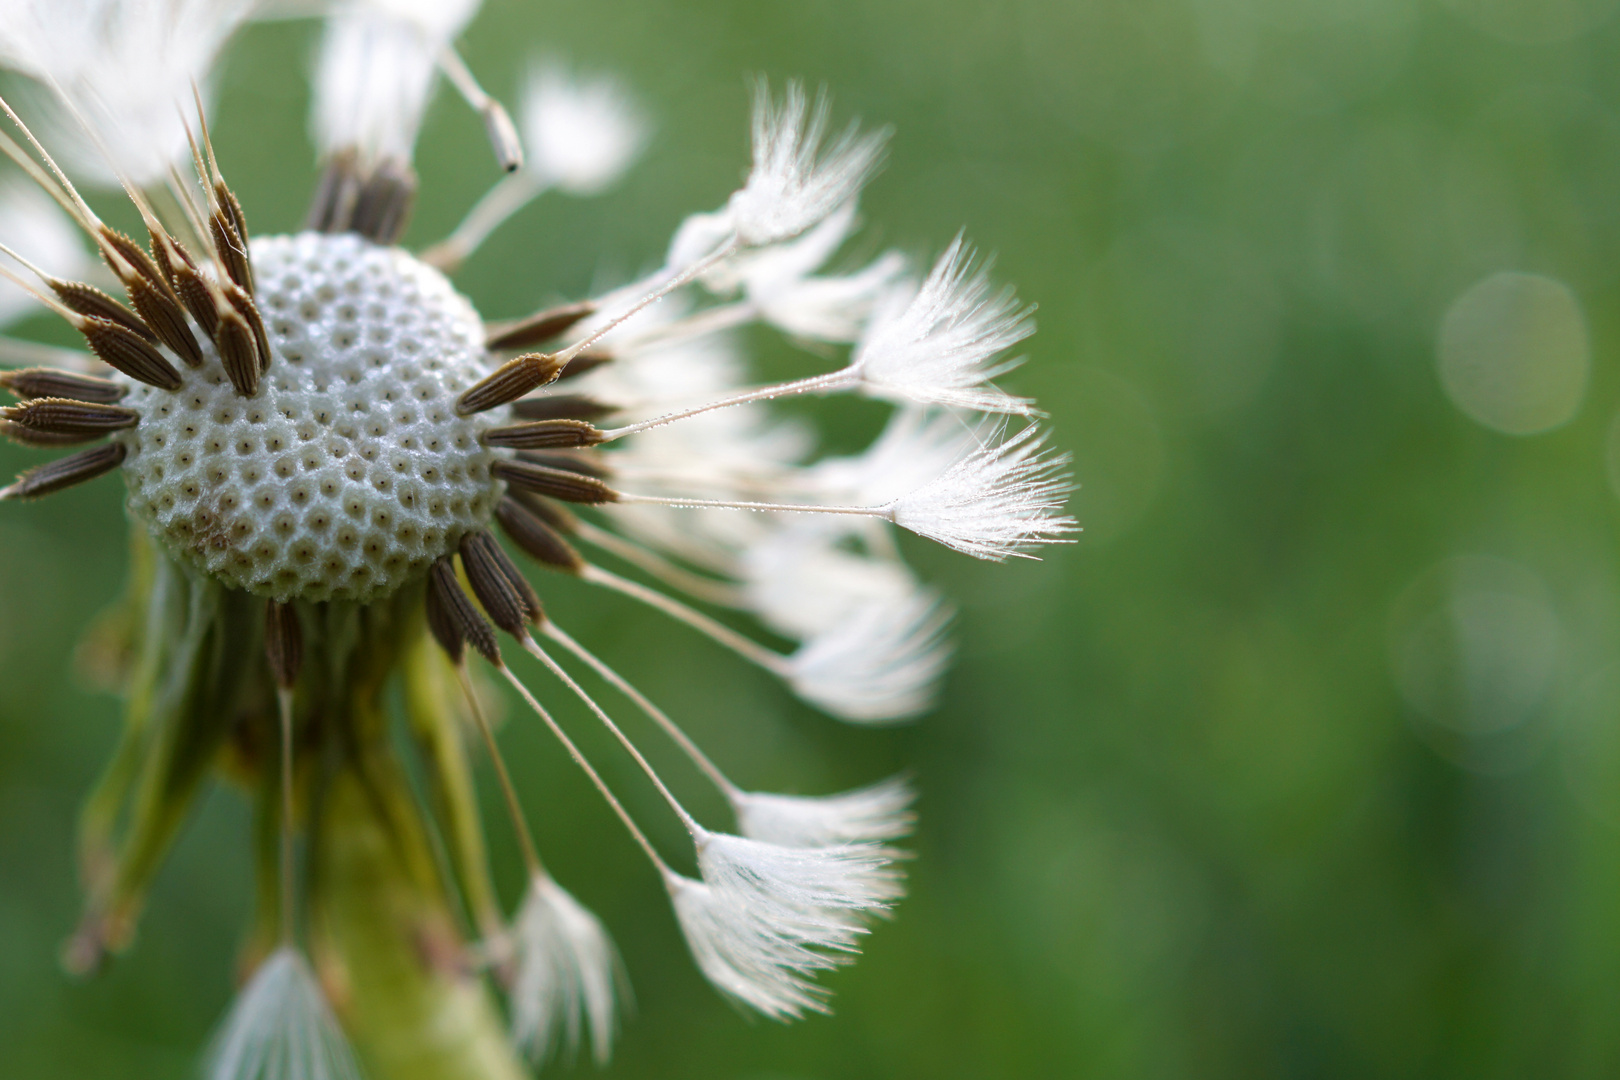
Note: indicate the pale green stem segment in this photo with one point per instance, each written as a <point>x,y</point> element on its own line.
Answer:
<point>382,931</point>
<point>436,712</point>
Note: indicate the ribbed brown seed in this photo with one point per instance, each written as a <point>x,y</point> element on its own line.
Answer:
<point>194,292</point>
<point>545,435</point>
<point>283,643</point>
<point>589,360</point>
<point>161,311</point>
<point>383,207</point>
<point>76,469</point>
<point>231,251</point>
<point>456,620</point>
<point>562,407</point>
<point>537,539</point>
<point>560,518</point>
<point>443,626</point>
<point>89,300</point>
<point>162,245</point>
<point>30,437</point>
<point>509,382</point>
<point>507,596</point>
<point>134,255</point>
<point>237,352</point>
<point>555,483</point>
<point>50,383</point>
<point>129,353</point>
<point>539,327</point>
<point>238,220</point>
<point>339,189</point>
<point>245,307</point>
<point>582,462</point>
<point>61,416</point>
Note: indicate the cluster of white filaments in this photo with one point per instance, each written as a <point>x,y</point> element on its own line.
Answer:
<point>379,427</point>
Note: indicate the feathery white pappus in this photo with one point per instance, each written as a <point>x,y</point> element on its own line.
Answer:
<point>281,1027</point>
<point>321,431</point>
<point>568,976</point>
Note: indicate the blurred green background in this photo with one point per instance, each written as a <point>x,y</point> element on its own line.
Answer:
<point>1304,762</point>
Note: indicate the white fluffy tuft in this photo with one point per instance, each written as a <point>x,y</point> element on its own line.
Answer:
<point>375,70</point>
<point>757,956</point>
<point>998,501</point>
<point>766,917</point>
<point>940,345</point>
<point>794,182</point>
<point>125,69</point>
<point>281,1028</point>
<point>875,814</point>
<point>580,134</point>
<point>568,975</point>
<point>880,664</point>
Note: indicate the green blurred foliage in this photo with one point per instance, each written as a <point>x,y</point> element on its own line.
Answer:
<point>1305,761</point>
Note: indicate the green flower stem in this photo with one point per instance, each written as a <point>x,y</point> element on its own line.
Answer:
<point>385,942</point>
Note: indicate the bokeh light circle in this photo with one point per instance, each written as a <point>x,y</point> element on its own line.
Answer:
<point>1514,353</point>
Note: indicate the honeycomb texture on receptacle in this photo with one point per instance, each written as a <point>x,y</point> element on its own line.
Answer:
<point>349,472</point>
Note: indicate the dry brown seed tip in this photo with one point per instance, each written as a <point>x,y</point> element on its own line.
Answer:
<point>537,539</point>
<point>562,407</point>
<point>230,249</point>
<point>283,643</point>
<point>197,294</point>
<point>167,252</point>
<point>509,382</point>
<point>128,259</point>
<point>545,435</point>
<point>60,416</point>
<point>89,300</point>
<point>536,328</point>
<point>75,469</point>
<point>499,585</point>
<point>558,517</point>
<point>245,307</point>
<point>26,436</point>
<point>339,189</point>
<point>128,352</point>
<point>556,483</point>
<point>458,614</point>
<point>383,207</point>
<point>161,311</point>
<point>443,625</point>
<point>237,352</point>
<point>582,462</point>
<point>50,383</point>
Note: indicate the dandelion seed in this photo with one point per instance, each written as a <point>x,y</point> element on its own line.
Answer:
<point>281,1029</point>
<point>567,976</point>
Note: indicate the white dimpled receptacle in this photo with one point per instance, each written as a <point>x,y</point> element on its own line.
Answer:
<point>349,471</point>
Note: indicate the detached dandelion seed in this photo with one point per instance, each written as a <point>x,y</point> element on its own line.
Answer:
<point>318,436</point>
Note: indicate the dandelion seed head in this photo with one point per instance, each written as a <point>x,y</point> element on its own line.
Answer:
<point>349,471</point>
